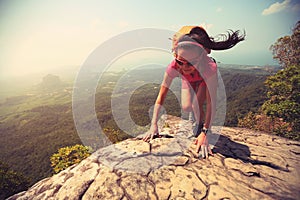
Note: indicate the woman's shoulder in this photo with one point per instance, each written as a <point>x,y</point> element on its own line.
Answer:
<point>212,64</point>
<point>172,64</point>
<point>209,67</point>
<point>172,70</point>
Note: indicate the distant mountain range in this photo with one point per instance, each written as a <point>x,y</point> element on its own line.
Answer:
<point>267,68</point>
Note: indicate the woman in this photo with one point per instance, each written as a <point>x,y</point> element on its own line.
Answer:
<point>199,75</point>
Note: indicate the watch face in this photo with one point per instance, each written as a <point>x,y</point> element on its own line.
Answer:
<point>204,130</point>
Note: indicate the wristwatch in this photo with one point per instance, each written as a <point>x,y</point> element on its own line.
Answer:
<point>205,130</point>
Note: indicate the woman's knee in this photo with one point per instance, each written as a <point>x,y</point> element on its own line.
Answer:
<point>187,108</point>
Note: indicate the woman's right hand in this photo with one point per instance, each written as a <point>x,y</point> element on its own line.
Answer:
<point>203,145</point>
<point>151,133</point>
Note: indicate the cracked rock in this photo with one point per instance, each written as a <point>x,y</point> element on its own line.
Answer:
<point>246,165</point>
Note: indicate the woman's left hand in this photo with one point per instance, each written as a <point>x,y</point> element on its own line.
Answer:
<point>202,143</point>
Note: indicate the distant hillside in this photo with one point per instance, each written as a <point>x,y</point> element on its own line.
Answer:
<point>50,83</point>
<point>245,92</point>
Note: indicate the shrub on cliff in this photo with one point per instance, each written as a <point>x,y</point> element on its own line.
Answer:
<point>68,156</point>
<point>281,111</point>
<point>284,98</point>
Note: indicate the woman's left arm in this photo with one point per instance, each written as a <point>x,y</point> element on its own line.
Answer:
<point>211,98</point>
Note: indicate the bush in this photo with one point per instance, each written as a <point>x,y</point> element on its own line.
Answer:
<point>69,156</point>
<point>249,121</point>
<point>268,124</point>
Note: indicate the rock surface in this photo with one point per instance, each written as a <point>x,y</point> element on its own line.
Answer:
<point>246,165</point>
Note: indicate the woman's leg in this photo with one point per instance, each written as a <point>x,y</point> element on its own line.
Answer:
<point>198,107</point>
<point>199,100</point>
<point>186,100</point>
<point>186,96</point>
<point>192,102</point>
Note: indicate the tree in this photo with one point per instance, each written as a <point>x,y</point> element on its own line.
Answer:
<point>280,113</point>
<point>11,182</point>
<point>68,156</point>
<point>284,97</point>
<point>287,49</point>
<point>284,87</point>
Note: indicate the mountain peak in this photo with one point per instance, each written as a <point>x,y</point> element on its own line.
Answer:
<point>50,83</point>
<point>246,165</point>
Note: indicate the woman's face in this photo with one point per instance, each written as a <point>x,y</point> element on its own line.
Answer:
<point>187,60</point>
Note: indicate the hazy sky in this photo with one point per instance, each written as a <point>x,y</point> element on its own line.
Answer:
<point>38,35</point>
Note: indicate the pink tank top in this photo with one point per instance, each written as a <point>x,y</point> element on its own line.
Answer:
<point>206,68</point>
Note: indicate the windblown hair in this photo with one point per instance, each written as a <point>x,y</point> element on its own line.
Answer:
<point>226,41</point>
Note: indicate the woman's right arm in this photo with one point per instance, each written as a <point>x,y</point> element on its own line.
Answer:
<point>167,80</point>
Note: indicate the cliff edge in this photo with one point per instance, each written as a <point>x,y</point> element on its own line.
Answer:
<point>246,165</point>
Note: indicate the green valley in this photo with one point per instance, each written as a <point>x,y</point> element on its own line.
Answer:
<point>33,126</point>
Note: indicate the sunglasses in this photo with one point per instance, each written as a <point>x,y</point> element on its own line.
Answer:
<point>189,64</point>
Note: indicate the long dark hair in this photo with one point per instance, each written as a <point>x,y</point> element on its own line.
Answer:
<point>227,41</point>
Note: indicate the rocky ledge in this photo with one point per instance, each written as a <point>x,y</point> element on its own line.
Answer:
<point>246,165</point>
